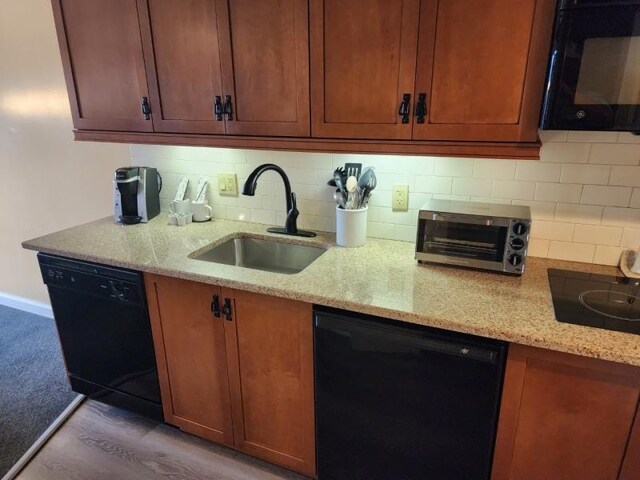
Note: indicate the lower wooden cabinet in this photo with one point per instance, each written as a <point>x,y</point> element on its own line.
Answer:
<point>243,378</point>
<point>566,417</point>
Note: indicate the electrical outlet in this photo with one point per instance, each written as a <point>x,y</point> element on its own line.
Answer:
<point>228,184</point>
<point>400,198</point>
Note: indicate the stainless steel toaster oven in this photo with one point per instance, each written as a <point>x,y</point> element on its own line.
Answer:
<point>478,235</point>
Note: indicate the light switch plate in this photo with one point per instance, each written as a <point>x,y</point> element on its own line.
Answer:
<point>228,184</point>
<point>400,198</point>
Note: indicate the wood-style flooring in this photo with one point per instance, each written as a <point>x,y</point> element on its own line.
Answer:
<point>102,442</point>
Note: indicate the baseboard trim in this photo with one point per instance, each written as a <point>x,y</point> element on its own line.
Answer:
<point>42,439</point>
<point>26,305</point>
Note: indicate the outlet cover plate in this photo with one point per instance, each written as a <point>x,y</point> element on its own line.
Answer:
<point>228,184</point>
<point>400,198</point>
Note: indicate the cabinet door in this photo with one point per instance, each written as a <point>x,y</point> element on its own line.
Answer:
<point>183,65</point>
<point>274,342</point>
<point>191,355</point>
<point>481,67</point>
<point>363,59</point>
<point>264,49</point>
<point>564,417</point>
<point>103,63</point>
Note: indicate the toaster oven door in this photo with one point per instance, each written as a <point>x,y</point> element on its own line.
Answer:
<point>475,242</point>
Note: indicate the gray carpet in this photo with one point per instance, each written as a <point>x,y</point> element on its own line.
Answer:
<point>33,382</point>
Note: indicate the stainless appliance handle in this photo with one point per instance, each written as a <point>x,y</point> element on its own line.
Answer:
<point>445,217</point>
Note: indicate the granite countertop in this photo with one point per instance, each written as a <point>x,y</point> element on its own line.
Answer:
<point>381,278</point>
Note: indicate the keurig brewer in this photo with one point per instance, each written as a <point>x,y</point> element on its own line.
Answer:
<point>136,194</point>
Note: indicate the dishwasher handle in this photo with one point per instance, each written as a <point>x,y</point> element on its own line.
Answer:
<point>353,327</point>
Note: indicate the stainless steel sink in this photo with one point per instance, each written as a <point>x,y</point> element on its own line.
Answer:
<point>260,254</point>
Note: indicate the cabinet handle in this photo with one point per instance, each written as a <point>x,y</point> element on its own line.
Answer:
<point>146,109</point>
<point>215,306</point>
<point>404,108</point>
<point>228,107</point>
<point>421,107</point>
<point>226,309</point>
<point>217,107</point>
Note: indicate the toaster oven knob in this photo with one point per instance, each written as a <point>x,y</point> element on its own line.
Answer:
<point>515,259</point>
<point>520,228</point>
<point>517,244</point>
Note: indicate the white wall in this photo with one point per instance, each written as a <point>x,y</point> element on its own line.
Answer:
<point>584,192</point>
<point>49,182</point>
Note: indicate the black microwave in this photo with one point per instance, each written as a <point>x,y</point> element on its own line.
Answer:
<point>593,82</point>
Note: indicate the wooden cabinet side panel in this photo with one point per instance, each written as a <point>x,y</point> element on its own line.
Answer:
<point>275,355</point>
<point>363,59</point>
<point>563,416</point>
<point>191,356</point>
<point>183,64</point>
<point>103,63</point>
<point>631,465</point>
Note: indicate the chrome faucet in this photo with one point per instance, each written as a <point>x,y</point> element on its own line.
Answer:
<point>290,226</point>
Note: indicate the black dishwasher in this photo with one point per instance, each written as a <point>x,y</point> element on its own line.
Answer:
<point>396,401</point>
<point>103,325</point>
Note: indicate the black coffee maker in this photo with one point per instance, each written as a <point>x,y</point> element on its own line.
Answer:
<point>136,194</point>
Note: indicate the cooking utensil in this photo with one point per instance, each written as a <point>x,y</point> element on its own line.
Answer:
<point>352,189</point>
<point>353,169</point>
<point>340,178</point>
<point>367,183</point>
<point>338,196</point>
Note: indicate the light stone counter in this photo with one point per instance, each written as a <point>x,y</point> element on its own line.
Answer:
<point>381,278</point>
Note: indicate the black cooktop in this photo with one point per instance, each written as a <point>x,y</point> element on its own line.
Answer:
<point>601,301</point>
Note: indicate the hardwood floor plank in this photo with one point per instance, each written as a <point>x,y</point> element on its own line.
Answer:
<point>102,442</point>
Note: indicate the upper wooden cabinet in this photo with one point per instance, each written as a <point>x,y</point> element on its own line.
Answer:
<point>481,68</point>
<point>363,59</point>
<point>568,418</point>
<point>248,56</point>
<point>236,368</point>
<point>395,76</point>
<point>103,63</point>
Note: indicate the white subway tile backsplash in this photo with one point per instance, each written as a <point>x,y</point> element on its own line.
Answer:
<point>552,230</point>
<point>598,235</point>
<point>614,154</point>
<point>629,176</point>
<point>558,192</point>
<point>581,214</point>
<point>495,169</point>
<point>592,137</point>
<point>607,196</point>
<point>626,137</point>
<point>565,152</point>
<point>607,255</point>
<point>584,194</point>
<point>538,171</point>
<point>585,174</point>
<point>575,252</point>
<point>471,186</point>
<point>514,189</point>
<point>630,238</point>
<point>539,210</point>
<point>454,167</point>
<point>625,217</point>
<point>538,247</point>
<point>431,184</point>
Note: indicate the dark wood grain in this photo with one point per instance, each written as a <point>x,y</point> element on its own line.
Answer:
<point>363,59</point>
<point>482,67</point>
<point>264,50</point>
<point>564,417</point>
<point>183,64</point>
<point>102,442</point>
<point>459,149</point>
<point>631,465</point>
<point>275,363</point>
<point>103,63</point>
<point>191,356</point>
